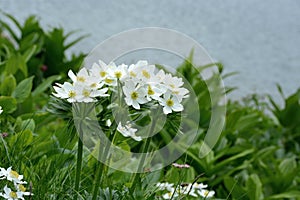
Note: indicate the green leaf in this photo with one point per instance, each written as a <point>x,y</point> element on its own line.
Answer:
<point>29,53</point>
<point>8,85</point>
<point>286,195</point>
<point>288,166</point>
<point>21,139</point>
<point>254,187</point>
<point>23,89</point>
<point>9,104</point>
<point>45,85</point>
<point>14,63</point>
<point>28,124</point>
<point>234,188</point>
<point>75,41</point>
<point>11,66</point>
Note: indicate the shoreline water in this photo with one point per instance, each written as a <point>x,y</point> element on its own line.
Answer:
<point>257,39</point>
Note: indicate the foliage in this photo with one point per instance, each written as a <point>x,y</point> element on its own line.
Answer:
<point>32,51</point>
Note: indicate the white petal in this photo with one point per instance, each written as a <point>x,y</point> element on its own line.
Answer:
<point>177,107</point>
<point>72,76</point>
<point>136,105</point>
<point>167,110</point>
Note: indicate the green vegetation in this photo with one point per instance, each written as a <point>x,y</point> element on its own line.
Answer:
<point>256,156</point>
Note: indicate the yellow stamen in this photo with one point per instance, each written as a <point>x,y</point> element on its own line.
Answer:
<point>14,174</point>
<point>108,80</point>
<point>206,193</point>
<point>102,73</point>
<point>72,94</point>
<point>22,188</point>
<point>86,93</point>
<point>93,85</point>
<point>150,91</point>
<point>132,74</point>
<point>170,102</point>
<point>146,74</point>
<point>13,195</point>
<point>134,95</point>
<point>118,74</point>
<point>80,79</point>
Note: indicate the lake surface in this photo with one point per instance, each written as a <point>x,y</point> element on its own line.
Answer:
<point>258,39</point>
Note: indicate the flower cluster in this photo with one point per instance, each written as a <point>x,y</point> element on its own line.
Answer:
<point>1,110</point>
<point>19,190</point>
<point>193,190</point>
<point>140,82</point>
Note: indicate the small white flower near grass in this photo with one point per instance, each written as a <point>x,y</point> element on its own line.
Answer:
<point>180,191</point>
<point>128,131</point>
<point>13,178</point>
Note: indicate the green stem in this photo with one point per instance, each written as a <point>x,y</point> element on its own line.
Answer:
<point>136,177</point>
<point>98,177</point>
<point>78,167</point>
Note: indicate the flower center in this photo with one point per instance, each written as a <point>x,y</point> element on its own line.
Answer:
<point>86,93</point>
<point>175,91</point>
<point>93,85</point>
<point>22,188</point>
<point>134,95</point>
<point>132,74</point>
<point>72,94</point>
<point>172,85</point>
<point>150,91</point>
<point>118,74</point>
<point>108,80</point>
<point>102,73</point>
<point>146,74</point>
<point>80,79</point>
<point>206,193</point>
<point>170,102</point>
<point>14,174</point>
<point>13,195</point>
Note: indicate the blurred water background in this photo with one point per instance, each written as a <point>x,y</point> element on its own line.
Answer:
<point>258,39</point>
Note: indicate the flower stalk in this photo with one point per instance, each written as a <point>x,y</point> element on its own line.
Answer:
<point>79,164</point>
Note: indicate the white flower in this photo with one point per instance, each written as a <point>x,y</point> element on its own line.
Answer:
<point>170,104</point>
<point>169,194</point>
<point>81,77</point>
<point>199,186</point>
<point>2,173</point>
<point>128,131</point>
<point>11,195</point>
<point>88,95</point>
<point>133,71</point>
<point>68,91</point>
<point>174,84</point>
<point>146,73</point>
<point>154,91</point>
<point>134,95</point>
<point>206,193</point>
<point>99,71</point>
<point>161,76</point>
<point>1,109</point>
<point>13,176</point>
<point>119,72</point>
<point>165,186</point>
